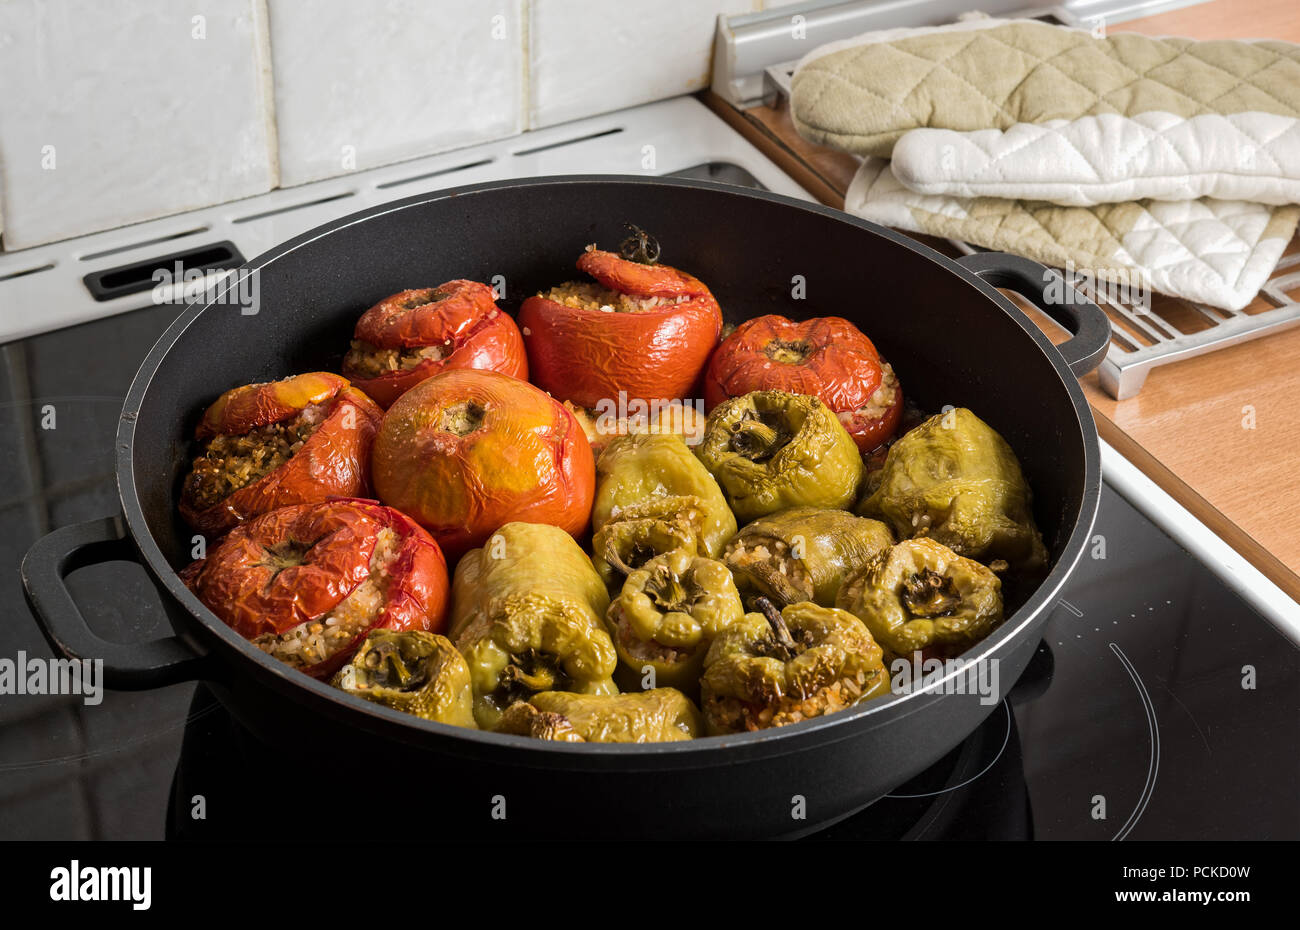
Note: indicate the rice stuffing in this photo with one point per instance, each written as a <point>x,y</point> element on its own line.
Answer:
<point>749,557</point>
<point>322,638</point>
<point>371,361</point>
<point>879,402</point>
<point>231,462</point>
<point>735,715</point>
<point>643,650</point>
<point>581,295</point>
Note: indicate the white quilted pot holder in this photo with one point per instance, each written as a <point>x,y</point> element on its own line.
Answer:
<point>1110,158</point>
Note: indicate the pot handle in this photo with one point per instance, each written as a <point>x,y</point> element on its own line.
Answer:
<point>127,666</point>
<point>1084,350</point>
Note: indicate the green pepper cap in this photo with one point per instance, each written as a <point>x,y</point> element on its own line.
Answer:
<point>782,666</point>
<point>922,596</point>
<point>417,672</point>
<point>771,450</point>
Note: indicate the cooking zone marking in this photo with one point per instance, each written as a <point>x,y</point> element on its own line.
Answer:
<point>1153,727</point>
<point>1006,737</point>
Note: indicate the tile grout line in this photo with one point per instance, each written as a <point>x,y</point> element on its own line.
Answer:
<point>266,79</point>
<point>525,112</point>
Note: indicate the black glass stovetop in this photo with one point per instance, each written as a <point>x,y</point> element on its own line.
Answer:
<point>1159,705</point>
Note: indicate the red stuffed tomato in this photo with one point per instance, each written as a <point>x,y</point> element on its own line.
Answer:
<point>306,583</point>
<point>412,336</point>
<point>469,451</point>
<point>270,445</point>
<point>644,329</point>
<point>827,357</point>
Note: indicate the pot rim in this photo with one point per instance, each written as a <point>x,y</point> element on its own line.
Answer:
<point>777,740</point>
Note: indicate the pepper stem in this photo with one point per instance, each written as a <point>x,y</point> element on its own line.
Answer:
<point>399,668</point>
<point>640,247</point>
<point>614,559</point>
<point>540,680</point>
<point>756,440</point>
<point>780,632</point>
<point>778,585</point>
<point>667,589</point>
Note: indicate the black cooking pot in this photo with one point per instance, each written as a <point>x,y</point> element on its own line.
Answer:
<point>952,338</point>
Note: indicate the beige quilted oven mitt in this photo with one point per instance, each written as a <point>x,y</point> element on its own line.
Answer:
<point>1215,252</point>
<point>862,94</point>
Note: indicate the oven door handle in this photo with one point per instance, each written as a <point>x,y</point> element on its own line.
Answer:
<point>127,666</point>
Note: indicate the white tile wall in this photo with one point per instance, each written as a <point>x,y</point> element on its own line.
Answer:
<point>140,118</point>
<point>592,56</point>
<point>365,84</point>
<point>113,111</point>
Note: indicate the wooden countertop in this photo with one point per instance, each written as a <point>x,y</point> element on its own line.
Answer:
<point>1220,432</point>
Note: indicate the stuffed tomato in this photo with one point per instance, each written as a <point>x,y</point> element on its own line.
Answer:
<point>413,335</point>
<point>468,451</point>
<point>642,331</point>
<point>306,583</point>
<point>271,445</point>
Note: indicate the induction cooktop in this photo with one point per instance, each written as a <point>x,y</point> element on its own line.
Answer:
<point>1160,705</point>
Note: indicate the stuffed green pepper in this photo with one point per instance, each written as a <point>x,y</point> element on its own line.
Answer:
<point>771,450</point>
<point>924,597</point>
<point>781,666</point>
<point>955,480</point>
<point>527,614</point>
<point>803,554</point>
<point>659,716</point>
<point>653,484</point>
<point>414,671</point>
<point>667,614</point>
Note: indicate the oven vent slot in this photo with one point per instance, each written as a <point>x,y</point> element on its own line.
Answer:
<point>142,276</point>
<point>289,208</point>
<point>26,271</point>
<point>384,185</point>
<point>574,141</point>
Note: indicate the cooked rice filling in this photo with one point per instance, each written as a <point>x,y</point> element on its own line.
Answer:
<point>581,295</point>
<point>371,361</point>
<point>645,650</point>
<point>230,462</point>
<point>879,402</point>
<point>324,637</point>
<point>734,714</point>
<point>770,565</point>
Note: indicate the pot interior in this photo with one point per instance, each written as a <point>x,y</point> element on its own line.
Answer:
<point>949,343</point>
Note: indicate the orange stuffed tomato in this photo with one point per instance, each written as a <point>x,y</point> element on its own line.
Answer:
<point>469,451</point>
<point>412,336</point>
<point>269,445</point>
<point>827,357</point>
<point>306,583</point>
<point>643,329</point>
